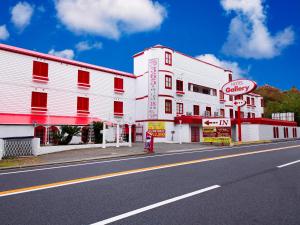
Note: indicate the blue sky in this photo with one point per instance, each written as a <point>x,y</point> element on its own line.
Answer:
<point>259,39</point>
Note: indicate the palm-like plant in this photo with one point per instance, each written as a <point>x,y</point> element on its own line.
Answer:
<point>66,134</point>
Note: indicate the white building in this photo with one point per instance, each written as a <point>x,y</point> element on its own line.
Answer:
<point>168,90</point>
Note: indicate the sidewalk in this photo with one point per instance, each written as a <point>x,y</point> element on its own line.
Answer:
<point>97,153</point>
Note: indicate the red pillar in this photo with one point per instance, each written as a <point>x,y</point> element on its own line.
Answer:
<point>239,125</point>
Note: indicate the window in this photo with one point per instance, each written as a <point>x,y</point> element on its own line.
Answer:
<point>248,100</point>
<point>230,98</point>
<point>214,92</point>
<point>82,105</point>
<point>168,82</point>
<point>168,106</point>
<point>39,101</point>
<point>252,101</point>
<point>275,132</point>
<point>196,110</point>
<point>40,71</point>
<point>295,133</point>
<point>179,85</point>
<point>229,77</point>
<point>286,132</point>
<point>83,78</point>
<point>168,58</point>
<point>242,114</point>
<point>118,108</point>
<point>208,111</point>
<point>179,108</point>
<point>249,115</point>
<point>118,84</point>
<point>231,113</point>
<point>221,93</point>
<point>262,102</point>
<point>253,115</point>
<point>222,112</point>
<point>238,97</point>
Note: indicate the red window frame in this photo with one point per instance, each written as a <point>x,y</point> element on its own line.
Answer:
<point>231,113</point>
<point>262,103</point>
<point>196,110</point>
<point>222,96</point>
<point>248,101</point>
<point>118,108</point>
<point>83,105</point>
<point>230,77</point>
<point>208,109</point>
<point>168,58</point>
<point>238,97</point>
<point>118,84</point>
<point>222,112</point>
<point>230,98</point>
<point>40,71</point>
<point>179,85</point>
<point>39,101</point>
<point>83,78</point>
<point>168,106</point>
<point>253,115</point>
<point>168,82</point>
<point>252,101</point>
<point>179,108</point>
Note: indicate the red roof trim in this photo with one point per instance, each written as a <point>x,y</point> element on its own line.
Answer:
<point>61,60</point>
<point>42,119</point>
<point>161,120</point>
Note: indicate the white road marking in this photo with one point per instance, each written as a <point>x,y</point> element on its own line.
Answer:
<point>132,158</point>
<point>156,205</point>
<point>288,164</point>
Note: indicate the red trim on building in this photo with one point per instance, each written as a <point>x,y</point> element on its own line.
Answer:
<point>267,121</point>
<point>138,54</point>
<point>160,120</point>
<point>61,60</point>
<point>165,96</point>
<point>143,97</point>
<point>31,119</point>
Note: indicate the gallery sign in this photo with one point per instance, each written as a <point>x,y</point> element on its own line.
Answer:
<point>153,88</point>
<point>239,87</point>
<point>239,102</point>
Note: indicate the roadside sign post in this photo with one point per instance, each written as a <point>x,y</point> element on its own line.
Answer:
<point>216,130</point>
<point>239,88</point>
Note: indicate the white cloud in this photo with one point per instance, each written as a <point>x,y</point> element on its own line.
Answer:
<point>85,46</point>
<point>21,15</point>
<point>110,18</point>
<point>237,71</point>
<point>67,53</point>
<point>4,34</point>
<point>249,36</point>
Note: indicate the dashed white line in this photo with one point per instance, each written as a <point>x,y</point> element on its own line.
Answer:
<point>156,205</point>
<point>288,164</point>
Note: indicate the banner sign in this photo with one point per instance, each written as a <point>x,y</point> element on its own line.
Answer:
<point>157,129</point>
<point>153,74</point>
<point>239,102</point>
<point>217,130</point>
<point>239,87</point>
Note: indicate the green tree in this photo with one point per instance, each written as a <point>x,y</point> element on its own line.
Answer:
<point>66,134</point>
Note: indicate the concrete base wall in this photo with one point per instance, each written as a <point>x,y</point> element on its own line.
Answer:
<point>7,131</point>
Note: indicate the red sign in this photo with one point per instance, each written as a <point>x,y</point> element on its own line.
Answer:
<point>239,87</point>
<point>239,102</point>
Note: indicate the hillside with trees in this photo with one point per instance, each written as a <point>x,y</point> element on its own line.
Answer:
<point>280,101</point>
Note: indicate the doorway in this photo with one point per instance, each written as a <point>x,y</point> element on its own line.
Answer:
<point>195,134</point>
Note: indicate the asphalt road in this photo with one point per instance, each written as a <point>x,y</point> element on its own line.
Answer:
<point>251,185</point>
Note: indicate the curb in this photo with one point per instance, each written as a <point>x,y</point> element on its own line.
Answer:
<point>73,161</point>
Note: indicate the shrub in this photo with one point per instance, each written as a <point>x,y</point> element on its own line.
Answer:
<point>66,134</point>
<point>97,127</point>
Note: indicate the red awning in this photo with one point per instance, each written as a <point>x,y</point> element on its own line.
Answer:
<point>27,119</point>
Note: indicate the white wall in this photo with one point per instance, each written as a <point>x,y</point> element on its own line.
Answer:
<point>7,131</point>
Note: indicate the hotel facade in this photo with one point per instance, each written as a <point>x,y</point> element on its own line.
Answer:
<point>168,92</point>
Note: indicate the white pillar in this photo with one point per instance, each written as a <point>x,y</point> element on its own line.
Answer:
<point>35,146</point>
<point>180,131</point>
<point>1,148</point>
<point>129,136</point>
<point>118,135</point>
<point>104,135</point>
